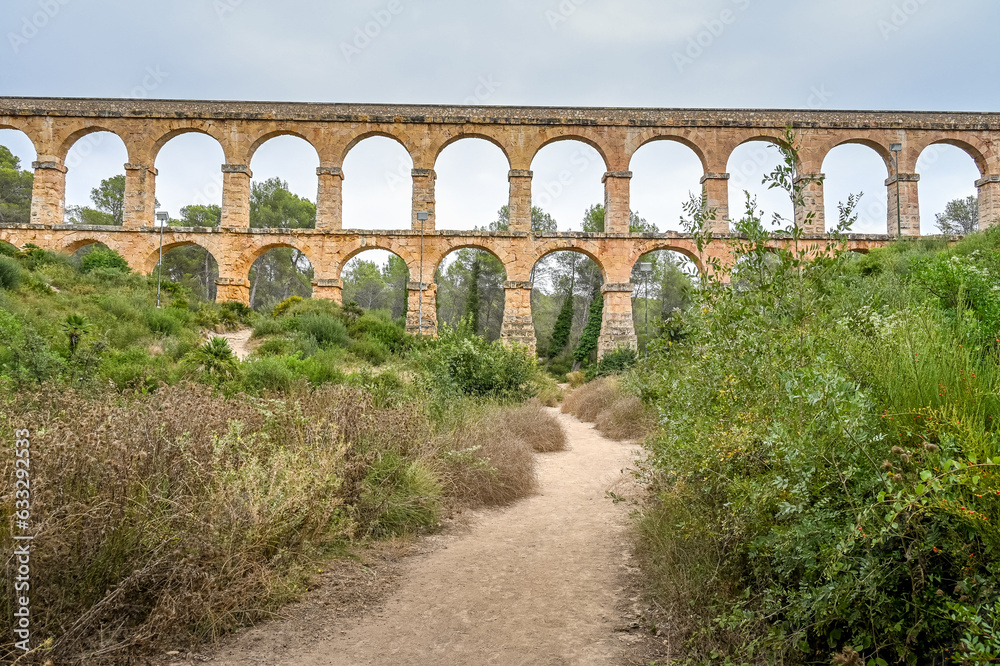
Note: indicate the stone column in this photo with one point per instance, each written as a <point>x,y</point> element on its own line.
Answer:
<point>330,199</point>
<point>328,290</point>
<point>423,198</point>
<point>812,202</point>
<point>617,327</point>
<point>413,322</point>
<point>518,327</point>
<point>989,201</point>
<point>232,289</point>
<point>519,205</point>
<point>715,188</point>
<point>236,195</point>
<point>48,193</point>
<point>616,201</point>
<point>909,204</point>
<point>140,196</point>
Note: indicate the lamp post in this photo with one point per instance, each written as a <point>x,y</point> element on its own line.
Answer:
<point>422,216</point>
<point>646,268</point>
<point>896,149</point>
<point>162,219</point>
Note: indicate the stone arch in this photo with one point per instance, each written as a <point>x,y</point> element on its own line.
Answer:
<point>71,139</point>
<point>24,131</point>
<point>245,261</point>
<point>378,193</point>
<point>471,182</point>
<point>148,264</point>
<point>411,149</point>
<point>166,137</point>
<point>581,248</point>
<point>746,177</point>
<point>267,136</point>
<point>381,243</point>
<point>472,135</point>
<point>872,208</point>
<point>207,175</point>
<point>664,176</point>
<point>582,138</point>
<point>979,157</point>
<point>449,249</point>
<point>880,149</point>
<point>29,130</point>
<point>674,138</point>
<point>74,244</point>
<point>639,251</point>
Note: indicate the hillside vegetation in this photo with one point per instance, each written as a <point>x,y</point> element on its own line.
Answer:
<point>824,464</point>
<point>179,492</point>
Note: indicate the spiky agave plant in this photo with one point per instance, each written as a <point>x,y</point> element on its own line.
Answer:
<point>215,358</point>
<point>75,326</point>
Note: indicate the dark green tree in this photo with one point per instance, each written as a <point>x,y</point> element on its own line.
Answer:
<point>472,297</point>
<point>586,349</point>
<point>960,216</point>
<point>540,220</point>
<point>284,271</point>
<point>15,189</point>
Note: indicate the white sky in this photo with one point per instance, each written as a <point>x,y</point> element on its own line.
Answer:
<point>851,54</point>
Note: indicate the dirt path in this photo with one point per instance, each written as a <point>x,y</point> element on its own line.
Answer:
<point>238,342</point>
<point>540,582</point>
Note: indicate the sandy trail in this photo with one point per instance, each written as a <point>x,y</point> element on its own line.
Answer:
<point>540,582</point>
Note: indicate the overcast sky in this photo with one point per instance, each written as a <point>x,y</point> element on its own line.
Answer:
<point>849,54</point>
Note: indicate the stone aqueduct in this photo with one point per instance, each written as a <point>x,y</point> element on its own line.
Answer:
<point>54,125</point>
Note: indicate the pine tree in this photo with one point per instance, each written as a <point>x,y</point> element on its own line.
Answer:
<point>472,297</point>
<point>564,323</point>
<point>592,331</point>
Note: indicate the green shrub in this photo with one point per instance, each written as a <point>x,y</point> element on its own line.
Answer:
<point>163,322</point>
<point>266,326</point>
<point>132,368</point>
<point>324,367</point>
<point>614,362</point>
<point>35,257</point>
<point>11,273</point>
<point>399,496</point>
<point>381,329</point>
<point>267,374</point>
<point>327,330</point>
<point>369,350</point>
<point>284,305</point>
<point>104,258</point>
<point>8,250</point>
<point>459,361</point>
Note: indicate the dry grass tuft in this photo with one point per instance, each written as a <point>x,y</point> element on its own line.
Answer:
<point>625,418</point>
<point>486,462</point>
<point>576,379</point>
<point>549,392</point>
<point>615,413</point>
<point>537,427</point>
<point>591,399</point>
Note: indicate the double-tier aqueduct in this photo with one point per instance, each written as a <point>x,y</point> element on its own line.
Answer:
<point>54,125</point>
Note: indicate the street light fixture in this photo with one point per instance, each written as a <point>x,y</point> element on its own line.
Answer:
<point>646,268</point>
<point>422,216</point>
<point>896,149</point>
<point>162,220</point>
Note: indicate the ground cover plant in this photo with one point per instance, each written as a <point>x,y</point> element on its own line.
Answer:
<point>180,492</point>
<point>824,468</point>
